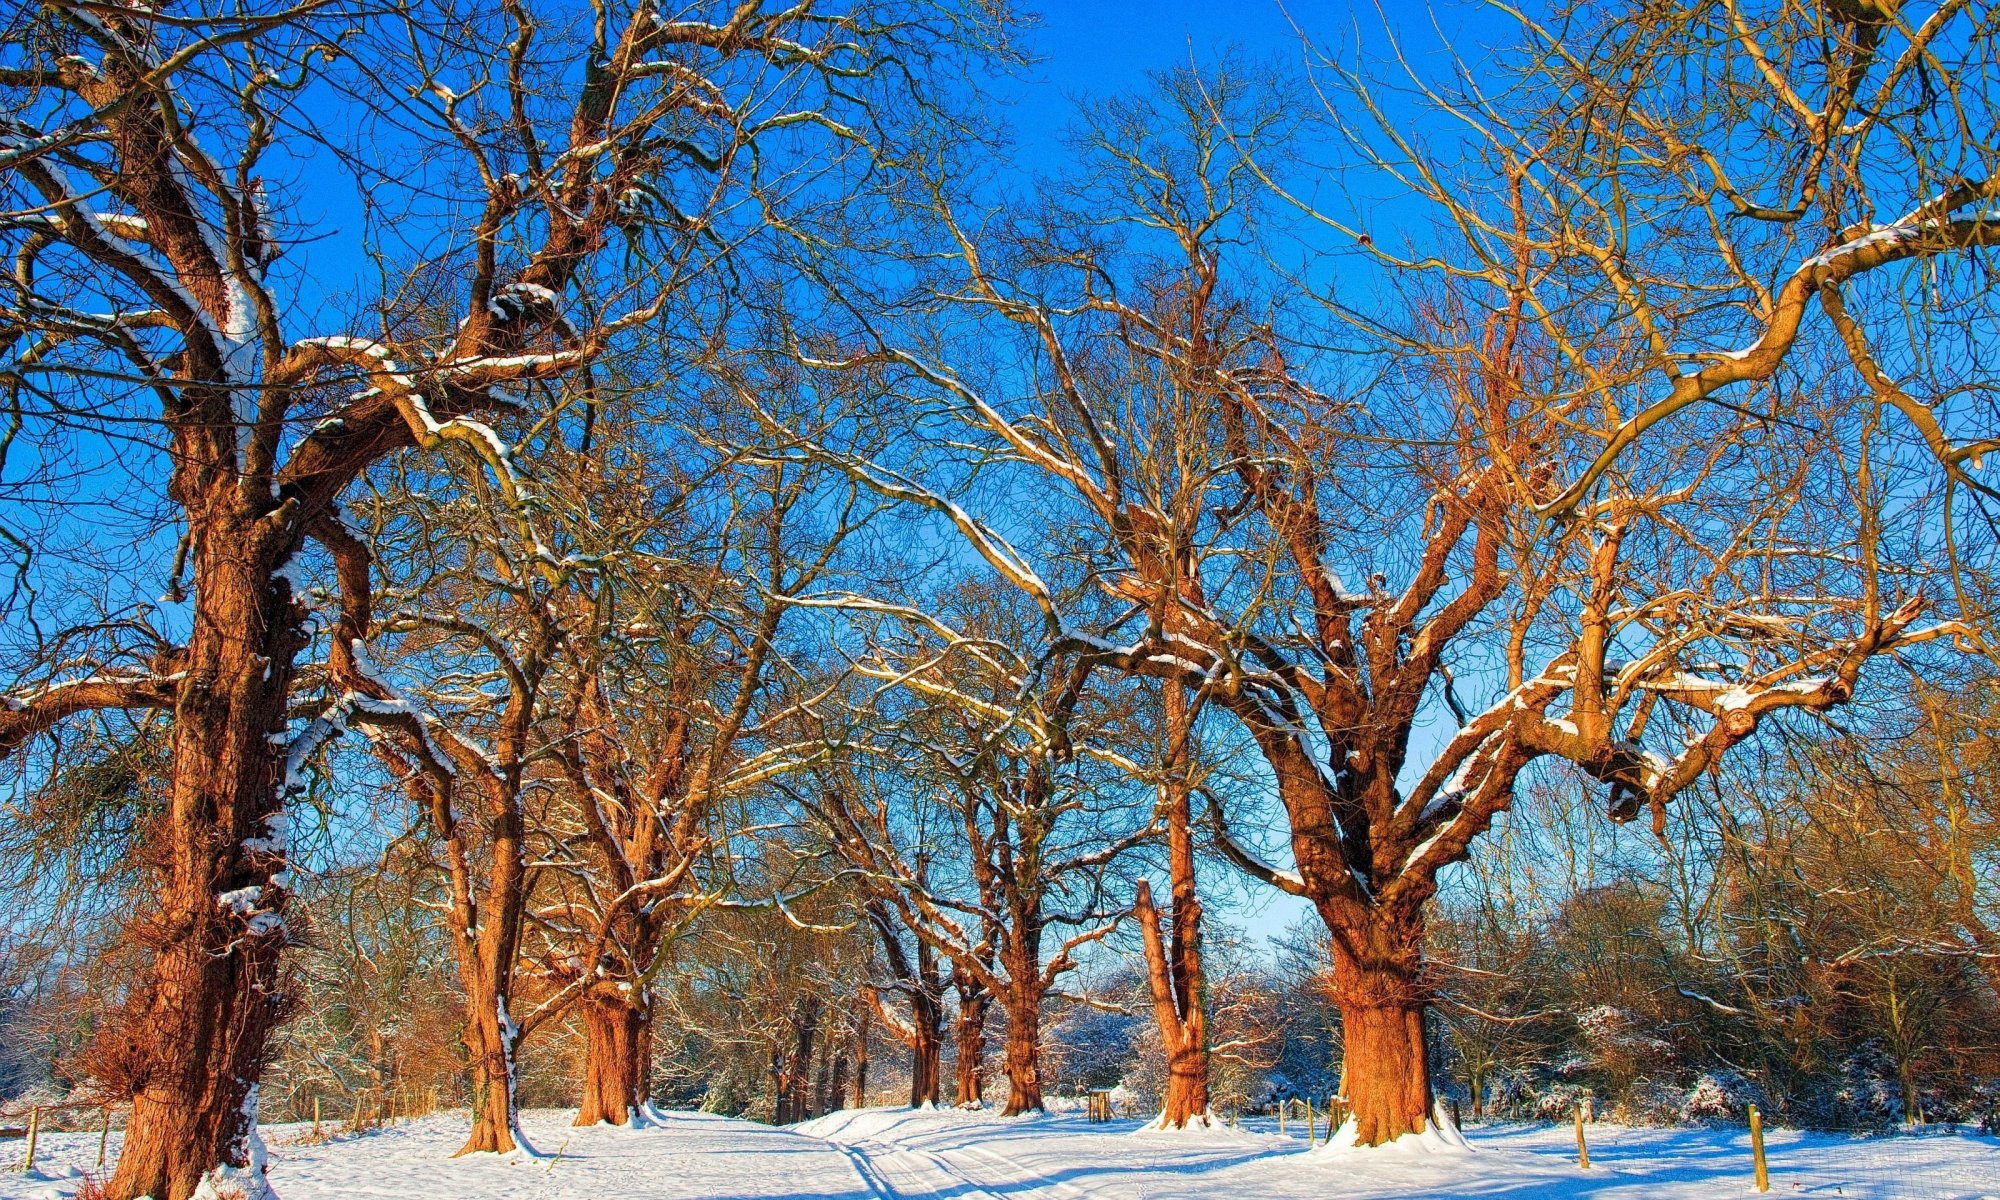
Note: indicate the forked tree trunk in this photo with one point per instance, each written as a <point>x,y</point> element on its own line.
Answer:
<point>973,1005</point>
<point>194,1040</point>
<point>615,1029</point>
<point>1024,1051</point>
<point>1377,985</point>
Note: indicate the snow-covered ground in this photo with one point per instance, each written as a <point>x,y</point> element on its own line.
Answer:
<point>890,1154</point>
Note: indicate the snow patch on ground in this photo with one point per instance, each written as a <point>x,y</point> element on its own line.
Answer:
<point>894,1153</point>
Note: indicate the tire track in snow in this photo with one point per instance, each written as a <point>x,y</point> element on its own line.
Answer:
<point>887,1170</point>
<point>864,1170</point>
<point>1016,1180</point>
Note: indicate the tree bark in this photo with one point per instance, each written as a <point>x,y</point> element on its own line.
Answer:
<point>490,1041</point>
<point>795,1079</point>
<point>863,1015</point>
<point>926,1055</point>
<point>1024,1051</point>
<point>1377,987</point>
<point>974,1002</point>
<point>1181,1018</point>
<point>194,1040</point>
<point>616,1050</point>
<point>1173,964</point>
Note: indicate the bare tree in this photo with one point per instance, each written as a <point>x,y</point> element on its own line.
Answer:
<point>152,295</point>
<point>1709,584</point>
<point>1015,760</point>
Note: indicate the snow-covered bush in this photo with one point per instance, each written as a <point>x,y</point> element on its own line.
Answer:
<point>1558,1100</point>
<point>1720,1095</point>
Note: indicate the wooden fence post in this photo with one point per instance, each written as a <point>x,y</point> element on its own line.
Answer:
<point>34,1134</point>
<point>1582,1150</point>
<point>104,1137</point>
<point>1312,1129</point>
<point>1757,1149</point>
<point>316,1134</point>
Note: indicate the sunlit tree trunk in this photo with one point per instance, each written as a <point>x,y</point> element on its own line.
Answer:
<point>615,1026</point>
<point>974,1002</point>
<point>1173,963</point>
<point>1377,987</point>
<point>195,1038</point>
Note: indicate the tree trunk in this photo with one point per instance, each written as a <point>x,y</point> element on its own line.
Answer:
<point>1182,1023</point>
<point>614,1064</point>
<point>490,1042</point>
<point>795,1082</point>
<point>1024,1051</point>
<point>193,1041</point>
<point>1173,964</point>
<point>1385,1073</point>
<point>973,1005</point>
<point>863,1015</point>
<point>926,1054</point>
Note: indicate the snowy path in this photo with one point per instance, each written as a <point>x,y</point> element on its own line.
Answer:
<point>895,1154</point>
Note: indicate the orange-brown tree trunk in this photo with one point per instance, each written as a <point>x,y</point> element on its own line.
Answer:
<point>1024,1051</point>
<point>974,1002</point>
<point>1173,963</point>
<point>1179,1011</point>
<point>926,1055</point>
<point>490,1041</point>
<point>1377,985</point>
<point>191,1045</point>
<point>616,1052</point>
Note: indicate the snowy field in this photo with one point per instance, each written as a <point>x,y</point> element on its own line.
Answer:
<point>890,1154</point>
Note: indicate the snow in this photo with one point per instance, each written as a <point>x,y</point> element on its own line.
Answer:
<point>889,1153</point>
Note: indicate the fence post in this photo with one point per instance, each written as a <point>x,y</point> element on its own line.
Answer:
<point>1312,1129</point>
<point>34,1134</point>
<point>104,1137</point>
<point>1582,1150</point>
<point>1757,1149</point>
<point>1282,1106</point>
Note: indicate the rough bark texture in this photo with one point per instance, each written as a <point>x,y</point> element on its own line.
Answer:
<point>617,1056</point>
<point>1024,1050</point>
<point>194,1042</point>
<point>1386,1072</point>
<point>1178,1009</point>
<point>489,1048</point>
<point>974,1002</point>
